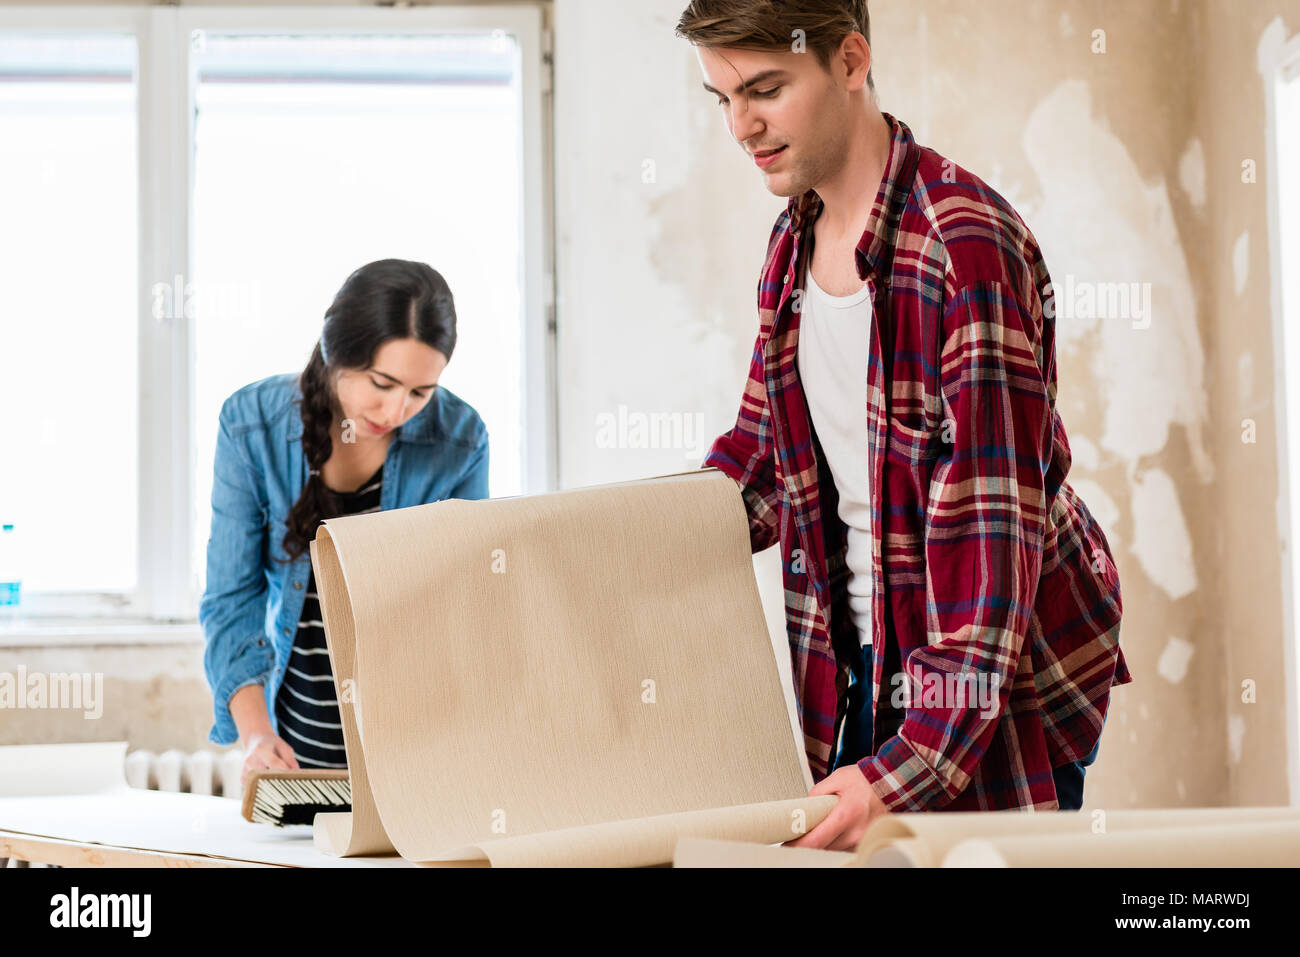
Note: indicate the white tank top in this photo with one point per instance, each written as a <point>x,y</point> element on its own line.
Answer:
<point>834,336</point>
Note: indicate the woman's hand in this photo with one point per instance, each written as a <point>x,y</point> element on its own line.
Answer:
<point>263,748</point>
<point>266,749</point>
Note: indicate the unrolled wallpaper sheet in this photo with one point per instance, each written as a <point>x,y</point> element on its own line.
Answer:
<point>576,678</point>
<point>78,792</point>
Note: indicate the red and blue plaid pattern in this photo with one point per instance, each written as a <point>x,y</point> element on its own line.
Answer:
<point>987,565</point>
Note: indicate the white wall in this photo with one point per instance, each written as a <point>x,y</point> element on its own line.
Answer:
<point>656,281</point>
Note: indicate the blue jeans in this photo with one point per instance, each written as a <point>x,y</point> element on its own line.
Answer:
<point>1069,778</point>
<point>855,736</point>
<point>855,733</point>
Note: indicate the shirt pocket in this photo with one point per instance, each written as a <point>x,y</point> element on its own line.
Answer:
<point>913,438</point>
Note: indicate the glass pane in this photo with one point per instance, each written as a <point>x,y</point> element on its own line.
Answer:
<point>316,155</point>
<point>68,311</point>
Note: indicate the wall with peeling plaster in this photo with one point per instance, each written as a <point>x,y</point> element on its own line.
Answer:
<point>1091,147</point>
<point>1125,164</point>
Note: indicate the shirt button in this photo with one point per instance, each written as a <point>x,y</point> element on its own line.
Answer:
<point>261,641</point>
<point>286,631</point>
<point>786,280</point>
<point>297,584</point>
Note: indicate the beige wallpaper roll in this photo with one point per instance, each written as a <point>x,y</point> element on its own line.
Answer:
<point>1259,844</point>
<point>592,662</point>
<point>924,839</point>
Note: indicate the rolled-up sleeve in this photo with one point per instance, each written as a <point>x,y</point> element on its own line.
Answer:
<point>232,611</point>
<point>984,527</point>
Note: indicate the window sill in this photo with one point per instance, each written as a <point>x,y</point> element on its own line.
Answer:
<point>82,632</point>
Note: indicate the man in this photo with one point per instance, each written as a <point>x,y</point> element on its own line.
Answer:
<point>898,436</point>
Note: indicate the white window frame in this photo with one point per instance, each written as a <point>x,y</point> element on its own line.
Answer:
<point>1277,66</point>
<point>166,82</point>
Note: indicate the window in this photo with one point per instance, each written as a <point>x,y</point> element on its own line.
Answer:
<point>354,149</point>
<point>68,353</point>
<point>184,191</point>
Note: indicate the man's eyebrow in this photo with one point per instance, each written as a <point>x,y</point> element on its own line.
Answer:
<point>399,381</point>
<point>752,81</point>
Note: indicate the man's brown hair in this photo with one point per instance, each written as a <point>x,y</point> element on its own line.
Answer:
<point>774,24</point>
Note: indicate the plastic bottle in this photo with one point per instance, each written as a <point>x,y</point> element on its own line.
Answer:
<point>11,581</point>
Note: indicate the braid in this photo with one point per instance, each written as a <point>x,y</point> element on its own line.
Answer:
<point>316,502</point>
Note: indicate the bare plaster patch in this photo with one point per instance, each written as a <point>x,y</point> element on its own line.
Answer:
<point>1173,662</point>
<point>1102,226</point>
<point>1161,540</point>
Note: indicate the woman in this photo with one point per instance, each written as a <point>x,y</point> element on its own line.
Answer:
<point>364,427</point>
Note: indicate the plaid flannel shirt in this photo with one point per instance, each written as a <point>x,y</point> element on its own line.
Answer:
<point>986,564</point>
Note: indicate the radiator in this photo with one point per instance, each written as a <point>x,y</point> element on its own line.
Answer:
<point>200,772</point>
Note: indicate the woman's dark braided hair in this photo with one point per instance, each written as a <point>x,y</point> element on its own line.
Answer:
<point>387,299</point>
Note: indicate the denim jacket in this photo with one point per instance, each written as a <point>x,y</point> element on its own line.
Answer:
<point>250,608</point>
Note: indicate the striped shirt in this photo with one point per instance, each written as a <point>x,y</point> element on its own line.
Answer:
<point>306,706</point>
<point>987,566</point>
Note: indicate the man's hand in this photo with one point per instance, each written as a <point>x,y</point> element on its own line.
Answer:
<point>857,807</point>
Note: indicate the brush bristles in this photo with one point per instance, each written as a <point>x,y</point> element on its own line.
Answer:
<point>283,801</point>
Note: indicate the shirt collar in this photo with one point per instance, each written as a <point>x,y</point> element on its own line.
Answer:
<point>895,188</point>
<point>422,427</point>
